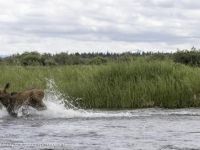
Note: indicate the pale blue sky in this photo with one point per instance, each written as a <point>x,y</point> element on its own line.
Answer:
<point>98,25</point>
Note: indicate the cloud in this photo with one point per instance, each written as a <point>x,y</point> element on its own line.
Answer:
<point>106,25</point>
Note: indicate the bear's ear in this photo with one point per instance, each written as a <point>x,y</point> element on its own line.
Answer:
<point>6,87</point>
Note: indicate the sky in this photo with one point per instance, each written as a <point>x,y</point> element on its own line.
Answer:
<point>98,25</point>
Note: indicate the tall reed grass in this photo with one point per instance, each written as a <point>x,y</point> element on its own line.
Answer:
<point>137,84</point>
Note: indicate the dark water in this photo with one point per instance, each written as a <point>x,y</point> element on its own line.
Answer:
<point>102,130</point>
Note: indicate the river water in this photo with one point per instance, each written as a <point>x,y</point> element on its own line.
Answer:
<point>101,130</point>
<point>60,127</point>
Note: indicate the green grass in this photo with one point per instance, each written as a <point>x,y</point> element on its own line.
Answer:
<point>137,84</point>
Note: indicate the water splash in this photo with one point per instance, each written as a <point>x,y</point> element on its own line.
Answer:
<point>52,93</point>
<point>3,112</point>
<point>60,107</point>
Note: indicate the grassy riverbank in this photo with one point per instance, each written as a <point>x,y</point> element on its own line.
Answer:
<point>136,84</point>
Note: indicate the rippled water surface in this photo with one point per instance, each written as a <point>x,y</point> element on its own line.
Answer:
<point>136,129</point>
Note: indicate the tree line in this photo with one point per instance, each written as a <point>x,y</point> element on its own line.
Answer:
<point>187,57</point>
